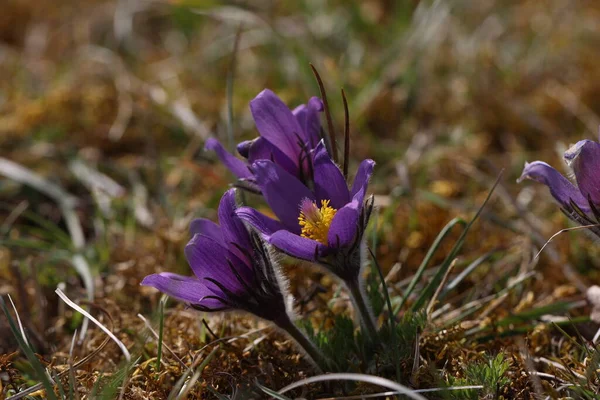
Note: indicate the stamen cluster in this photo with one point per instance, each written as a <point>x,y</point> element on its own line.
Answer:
<point>315,222</point>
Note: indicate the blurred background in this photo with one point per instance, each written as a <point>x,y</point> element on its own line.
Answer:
<point>105,107</point>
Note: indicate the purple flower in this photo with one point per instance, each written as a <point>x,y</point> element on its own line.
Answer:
<point>232,269</point>
<point>325,223</point>
<point>580,202</point>
<point>286,137</point>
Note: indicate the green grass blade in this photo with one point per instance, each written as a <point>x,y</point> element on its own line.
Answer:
<point>61,390</point>
<point>556,308</point>
<point>96,386</point>
<point>392,320</point>
<point>52,228</point>
<point>271,392</point>
<point>38,368</point>
<point>217,394</point>
<point>470,268</point>
<point>427,293</point>
<point>27,244</point>
<point>436,244</point>
<point>179,384</point>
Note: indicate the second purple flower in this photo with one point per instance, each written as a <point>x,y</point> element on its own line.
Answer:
<point>580,202</point>
<point>286,138</point>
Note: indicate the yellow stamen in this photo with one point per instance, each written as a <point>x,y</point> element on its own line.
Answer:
<point>315,222</point>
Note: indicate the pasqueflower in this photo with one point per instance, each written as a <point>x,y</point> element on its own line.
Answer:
<point>232,271</point>
<point>580,202</point>
<point>286,137</point>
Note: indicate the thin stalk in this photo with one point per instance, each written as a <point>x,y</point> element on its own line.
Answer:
<point>346,135</point>
<point>309,347</point>
<point>160,332</point>
<point>392,319</point>
<point>364,311</point>
<point>330,128</point>
<point>230,81</point>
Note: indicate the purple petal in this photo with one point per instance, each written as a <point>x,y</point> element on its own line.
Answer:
<point>308,118</point>
<point>264,225</point>
<point>209,259</point>
<point>329,180</point>
<point>344,226</point>
<point>560,187</point>
<point>283,191</point>
<point>584,158</point>
<point>235,165</point>
<point>184,288</point>
<point>316,104</point>
<point>361,180</point>
<point>572,153</point>
<point>244,147</point>
<point>232,227</point>
<point>261,149</point>
<point>276,123</point>
<point>206,227</point>
<point>296,246</point>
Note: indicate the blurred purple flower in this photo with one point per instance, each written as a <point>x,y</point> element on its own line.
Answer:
<point>286,137</point>
<point>580,202</point>
<point>232,269</point>
<point>323,225</point>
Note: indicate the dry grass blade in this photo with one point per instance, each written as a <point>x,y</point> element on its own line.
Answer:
<point>73,305</point>
<point>24,175</point>
<point>576,228</point>
<point>234,14</point>
<point>596,336</point>
<point>526,356</point>
<point>437,292</point>
<point>375,380</point>
<point>18,320</point>
<point>388,394</point>
<point>71,370</point>
<point>559,366</point>
<point>94,179</point>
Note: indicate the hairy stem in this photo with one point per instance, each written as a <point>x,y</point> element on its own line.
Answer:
<point>363,310</point>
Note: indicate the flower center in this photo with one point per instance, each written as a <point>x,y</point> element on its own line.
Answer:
<point>315,222</point>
